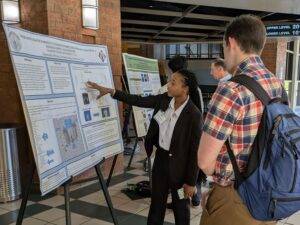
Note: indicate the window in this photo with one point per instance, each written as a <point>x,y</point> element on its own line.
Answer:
<point>289,66</point>
<point>173,49</point>
<point>289,62</point>
<point>182,49</point>
<point>195,51</point>
<point>216,50</point>
<point>298,68</point>
<point>298,95</point>
<point>290,54</point>
<point>290,46</point>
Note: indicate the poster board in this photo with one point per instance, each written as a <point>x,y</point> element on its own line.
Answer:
<point>70,131</point>
<point>143,79</point>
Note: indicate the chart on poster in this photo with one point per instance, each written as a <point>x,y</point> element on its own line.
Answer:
<point>70,131</point>
<point>143,79</point>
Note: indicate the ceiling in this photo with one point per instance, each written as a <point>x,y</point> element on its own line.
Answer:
<point>169,21</point>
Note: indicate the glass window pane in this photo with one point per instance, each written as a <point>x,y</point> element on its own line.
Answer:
<point>289,66</point>
<point>298,95</point>
<point>290,46</point>
<point>90,2</point>
<point>172,49</point>
<point>299,68</point>
<point>182,49</point>
<point>288,88</point>
<point>90,17</point>
<point>204,49</point>
<point>193,49</point>
<point>216,48</point>
<point>11,11</point>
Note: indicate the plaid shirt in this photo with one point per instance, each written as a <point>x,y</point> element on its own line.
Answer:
<point>235,113</point>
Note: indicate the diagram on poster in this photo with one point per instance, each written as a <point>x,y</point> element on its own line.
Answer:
<point>70,131</point>
<point>143,79</point>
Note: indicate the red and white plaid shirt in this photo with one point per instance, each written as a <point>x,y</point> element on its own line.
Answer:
<point>235,113</point>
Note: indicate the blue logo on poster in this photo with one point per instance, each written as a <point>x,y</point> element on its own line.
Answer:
<point>45,136</point>
<point>50,152</point>
<point>87,116</point>
<point>50,161</point>
<point>68,123</point>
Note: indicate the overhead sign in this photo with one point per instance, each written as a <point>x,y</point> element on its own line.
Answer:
<point>287,30</point>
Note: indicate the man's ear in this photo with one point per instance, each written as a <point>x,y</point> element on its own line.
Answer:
<point>233,43</point>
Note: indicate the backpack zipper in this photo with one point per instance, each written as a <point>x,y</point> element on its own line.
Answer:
<point>296,140</point>
<point>276,200</point>
<point>286,199</point>
<point>296,157</point>
<point>291,132</point>
<point>295,177</point>
<point>270,140</point>
<point>283,146</point>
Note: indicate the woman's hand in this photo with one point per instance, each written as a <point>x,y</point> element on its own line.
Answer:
<point>102,90</point>
<point>189,191</point>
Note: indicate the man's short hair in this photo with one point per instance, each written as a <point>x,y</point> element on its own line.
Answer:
<point>178,63</point>
<point>219,62</point>
<point>249,32</point>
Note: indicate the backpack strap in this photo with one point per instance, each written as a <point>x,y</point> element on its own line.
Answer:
<point>251,84</point>
<point>238,176</point>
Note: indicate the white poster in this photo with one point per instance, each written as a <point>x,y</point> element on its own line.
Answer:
<point>70,131</point>
<point>143,79</point>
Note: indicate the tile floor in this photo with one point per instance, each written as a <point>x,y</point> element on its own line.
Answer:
<point>89,207</point>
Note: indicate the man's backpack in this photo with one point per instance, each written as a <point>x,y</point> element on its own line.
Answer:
<point>270,186</point>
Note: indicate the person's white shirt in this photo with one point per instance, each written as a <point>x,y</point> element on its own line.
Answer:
<point>225,78</point>
<point>167,124</point>
<point>164,89</point>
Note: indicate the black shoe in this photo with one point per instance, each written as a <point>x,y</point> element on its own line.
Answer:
<point>170,205</point>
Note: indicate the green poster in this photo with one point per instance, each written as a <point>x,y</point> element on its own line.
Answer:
<point>136,63</point>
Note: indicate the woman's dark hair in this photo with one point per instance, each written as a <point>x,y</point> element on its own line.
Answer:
<point>191,81</point>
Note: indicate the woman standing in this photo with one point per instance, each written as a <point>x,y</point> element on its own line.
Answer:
<point>175,131</point>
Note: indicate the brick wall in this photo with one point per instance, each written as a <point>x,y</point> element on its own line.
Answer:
<point>65,21</point>
<point>60,18</point>
<point>281,58</point>
<point>274,57</point>
<point>138,49</point>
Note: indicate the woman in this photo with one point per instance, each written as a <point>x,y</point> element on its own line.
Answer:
<point>175,130</point>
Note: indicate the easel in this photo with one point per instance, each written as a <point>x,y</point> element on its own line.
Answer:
<point>136,141</point>
<point>66,186</point>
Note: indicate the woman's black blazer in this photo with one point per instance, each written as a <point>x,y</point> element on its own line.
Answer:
<point>185,140</point>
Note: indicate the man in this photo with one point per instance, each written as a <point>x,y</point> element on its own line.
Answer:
<point>234,114</point>
<point>218,70</point>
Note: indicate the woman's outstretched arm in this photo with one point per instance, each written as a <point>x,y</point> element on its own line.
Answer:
<point>135,100</point>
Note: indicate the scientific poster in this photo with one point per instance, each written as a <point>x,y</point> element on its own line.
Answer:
<point>143,79</point>
<point>70,131</point>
